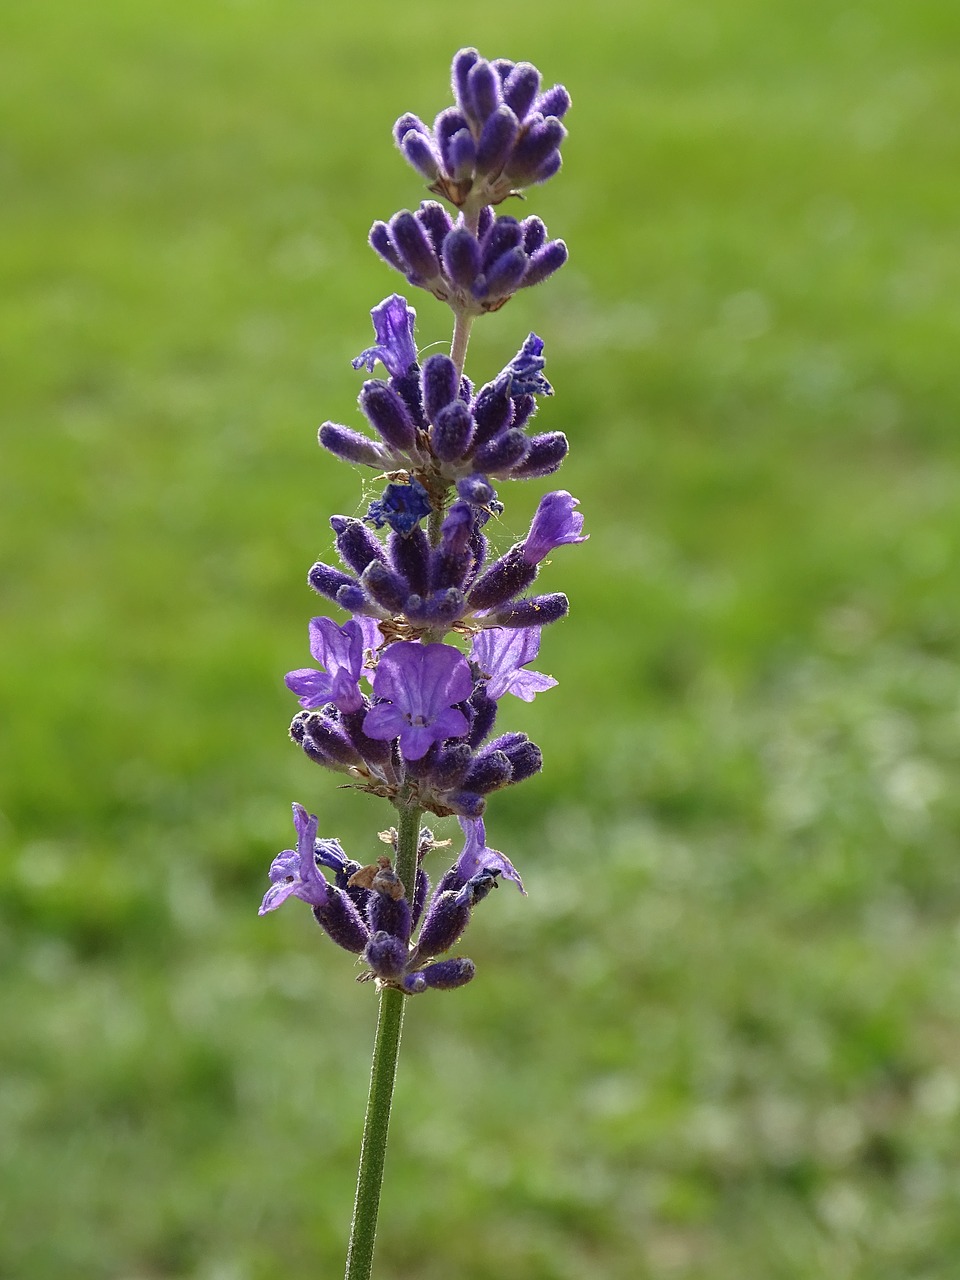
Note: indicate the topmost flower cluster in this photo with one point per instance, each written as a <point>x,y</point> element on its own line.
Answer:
<point>503,134</point>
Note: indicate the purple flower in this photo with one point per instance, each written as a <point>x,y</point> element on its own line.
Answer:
<point>476,856</point>
<point>401,506</point>
<point>393,322</point>
<point>501,654</point>
<point>420,683</point>
<point>340,651</point>
<point>296,873</point>
<point>526,370</point>
<point>372,640</point>
<point>554,523</point>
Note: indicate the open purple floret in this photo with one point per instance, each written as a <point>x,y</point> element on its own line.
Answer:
<point>502,656</point>
<point>340,651</point>
<point>393,323</point>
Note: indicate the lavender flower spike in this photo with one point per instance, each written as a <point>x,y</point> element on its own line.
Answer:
<point>393,322</point>
<point>296,873</point>
<point>340,651</point>
<point>501,654</point>
<point>420,683</point>
<point>554,524</point>
<point>476,856</point>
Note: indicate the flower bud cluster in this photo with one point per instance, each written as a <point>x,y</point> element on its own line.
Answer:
<point>503,134</point>
<point>416,588</point>
<point>474,271</point>
<point>434,429</point>
<point>393,706</point>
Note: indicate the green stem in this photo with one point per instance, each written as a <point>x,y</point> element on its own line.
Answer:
<point>434,525</point>
<point>408,839</point>
<point>462,324</point>
<point>383,1075</point>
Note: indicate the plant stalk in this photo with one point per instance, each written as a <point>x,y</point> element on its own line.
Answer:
<point>462,325</point>
<point>383,1075</point>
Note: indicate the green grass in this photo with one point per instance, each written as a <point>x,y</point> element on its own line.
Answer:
<point>720,1039</point>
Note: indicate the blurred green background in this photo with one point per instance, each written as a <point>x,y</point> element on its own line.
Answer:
<point>720,1039</point>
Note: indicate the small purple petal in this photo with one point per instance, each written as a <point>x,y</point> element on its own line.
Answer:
<point>501,655</point>
<point>384,721</point>
<point>372,641</point>
<point>476,856</point>
<point>526,370</point>
<point>283,878</point>
<point>555,523</point>
<point>449,723</point>
<point>312,687</point>
<point>393,322</point>
<point>340,651</point>
<point>401,506</point>
<point>296,873</point>
<point>335,647</point>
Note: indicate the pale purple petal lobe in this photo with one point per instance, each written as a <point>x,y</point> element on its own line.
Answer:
<point>476,856</point>
<point>340,651</point>
<point>501,653</point>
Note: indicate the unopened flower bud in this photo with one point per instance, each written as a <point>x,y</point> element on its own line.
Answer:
<point>339,919</point>
<point>387,956</point>
<point>537,611</point>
